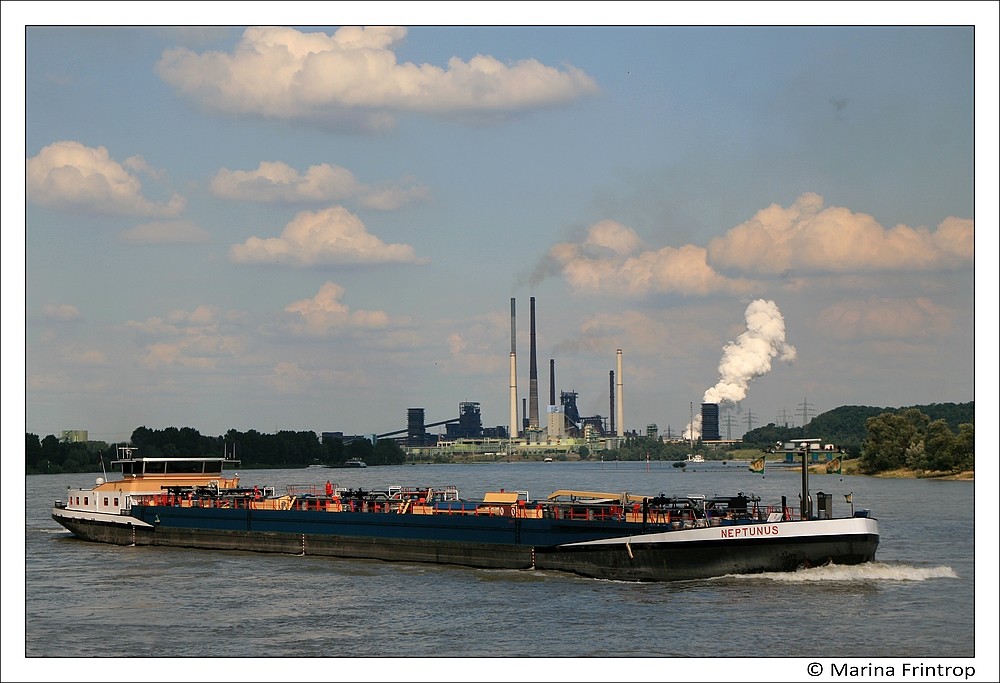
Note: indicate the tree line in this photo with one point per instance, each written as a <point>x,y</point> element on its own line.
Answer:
<point>910,439</point>
<point>285,449</point>
<point>846,426</point>
<point>52,456</point>
<point>638,447</point>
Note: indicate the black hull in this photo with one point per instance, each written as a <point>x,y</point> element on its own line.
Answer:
<point>482,555</point>
<point>704,559</point>
<point>634,561</point>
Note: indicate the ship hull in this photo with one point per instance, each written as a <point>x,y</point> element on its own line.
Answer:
<point>607,550</point>
<point>704,559</point>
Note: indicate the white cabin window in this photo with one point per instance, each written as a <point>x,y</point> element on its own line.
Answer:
<point>86,500</point>
<point>116,502</point>
<point>105,501</point>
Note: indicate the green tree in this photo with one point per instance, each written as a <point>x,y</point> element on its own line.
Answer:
<point>360,449</point>
<point>889,437</point>
<point>939,448</point>
<point>387,452</point>
<point>964,447</point>
<point>32,452</point>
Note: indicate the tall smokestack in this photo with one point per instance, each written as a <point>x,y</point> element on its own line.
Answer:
<point>524,404</point>
<point>532,374</point>
<point>611,390</point>
<point>552,381</point>
<point>620,399</point>
<point>514,430</point>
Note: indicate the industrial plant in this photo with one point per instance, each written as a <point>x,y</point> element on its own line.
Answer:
<point>563,428</point>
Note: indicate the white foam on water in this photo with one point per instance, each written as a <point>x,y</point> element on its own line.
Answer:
<point>869,571</point>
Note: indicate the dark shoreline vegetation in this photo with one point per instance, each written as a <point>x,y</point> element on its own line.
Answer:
<point>932,438</point>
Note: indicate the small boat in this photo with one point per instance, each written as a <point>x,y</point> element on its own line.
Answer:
<point>547,460</point>
<point>355,462</point>
<point>696,458</point>
<point>187,502</point>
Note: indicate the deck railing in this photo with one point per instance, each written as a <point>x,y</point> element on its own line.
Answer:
<point>662,516</point>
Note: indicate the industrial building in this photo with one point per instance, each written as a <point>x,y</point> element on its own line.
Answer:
<point>710,422</point>
<point>563,426</point>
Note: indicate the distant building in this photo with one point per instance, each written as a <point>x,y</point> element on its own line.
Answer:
<point>557,421</point>
<point>470,424</point>
<point>598,422</point>
<point>710,422</point>
<point>652,431</point>
<point>74,436</point>
<point>498,432</point>
<point>329,437</point>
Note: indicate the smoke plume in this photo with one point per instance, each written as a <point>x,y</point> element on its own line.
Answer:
<point>692,431</point>
<point>750,355</point>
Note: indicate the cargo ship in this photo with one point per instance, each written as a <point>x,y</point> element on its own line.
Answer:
<point>189,502</point>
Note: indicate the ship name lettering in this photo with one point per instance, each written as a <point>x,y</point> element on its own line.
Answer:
<point>750,530</point>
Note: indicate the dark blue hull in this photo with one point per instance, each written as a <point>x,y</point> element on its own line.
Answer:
<point>438,528</point>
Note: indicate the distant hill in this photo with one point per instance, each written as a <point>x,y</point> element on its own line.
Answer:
<point>845,426</point>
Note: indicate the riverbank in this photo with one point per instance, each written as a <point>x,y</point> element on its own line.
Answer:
<point>927,474</point>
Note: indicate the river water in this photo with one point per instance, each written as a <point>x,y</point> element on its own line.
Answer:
<point>86,599</point>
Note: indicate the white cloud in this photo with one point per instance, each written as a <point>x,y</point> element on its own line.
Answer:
<point>612,235</point>
<point>602,265</point>
<point>317,238</point>
<point>68,176</point>
<point>324,313</point>
<point>352,78</point>
<point>62,313</point>
<point>276,181</point>
<point>289,378</point>
<point>190,340</point>
<point>877,318</point>
<point>165,232</point>
<point>138,164</point>
<point>807,237</point>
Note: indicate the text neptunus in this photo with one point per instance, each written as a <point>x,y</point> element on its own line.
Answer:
<point>749,530</point>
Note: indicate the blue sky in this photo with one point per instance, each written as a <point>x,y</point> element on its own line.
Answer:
<point>303,229</point>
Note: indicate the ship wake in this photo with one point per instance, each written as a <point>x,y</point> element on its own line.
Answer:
<point>870,571</point>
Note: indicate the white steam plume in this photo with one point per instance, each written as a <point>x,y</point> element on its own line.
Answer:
<point>692,431</point>
<point>750,355</point>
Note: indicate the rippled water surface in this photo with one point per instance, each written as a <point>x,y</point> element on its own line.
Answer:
<point>89,599</point>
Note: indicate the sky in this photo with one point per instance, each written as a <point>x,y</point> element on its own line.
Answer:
<point>317,227</point>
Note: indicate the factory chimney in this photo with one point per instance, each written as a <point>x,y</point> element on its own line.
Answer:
<point>514,431</point>
<point>532,374</point>
<point>552,381</point>
<point>611,390</point>
<point>620,398</point>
